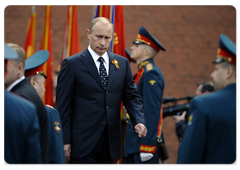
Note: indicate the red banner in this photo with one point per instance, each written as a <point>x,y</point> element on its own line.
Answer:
<point>46,43</point>
<point>29,46</point>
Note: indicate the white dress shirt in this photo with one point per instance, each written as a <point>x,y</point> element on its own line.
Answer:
<point>15,83</point>
<point>95,57</point>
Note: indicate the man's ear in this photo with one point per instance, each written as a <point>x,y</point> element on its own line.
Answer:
<point>230,72</point>
<point>20,70</point>
<point>20,67</point>
<point>147,51</point>
<point>33,81</point>
<point>88,33</point>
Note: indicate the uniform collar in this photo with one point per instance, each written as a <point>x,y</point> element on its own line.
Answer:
<point>230,86</point>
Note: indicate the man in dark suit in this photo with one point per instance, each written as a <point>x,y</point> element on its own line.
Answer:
<point>34,72</point>
<point>16,82</point>
<point>150,83</point>
<point>91,86</point>
<point>21,127</point>
<point>210,136</point>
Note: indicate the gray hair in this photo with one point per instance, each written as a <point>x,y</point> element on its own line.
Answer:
<point>153,52</point>
<point>99,19</point>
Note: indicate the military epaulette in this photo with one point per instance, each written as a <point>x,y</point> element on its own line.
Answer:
<point>149,67</point>
<point>49,106</point>
<point>143,64</point>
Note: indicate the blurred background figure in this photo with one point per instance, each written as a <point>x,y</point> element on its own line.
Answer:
<point>21,126</point>
<point>181,120</point>
<point>210,136</point>
<point>35,75</point>
<point>150,83</point>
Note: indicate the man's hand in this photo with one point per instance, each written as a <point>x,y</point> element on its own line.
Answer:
<point>179,118</point>
<point>141,130</point>
<point>67,150</point>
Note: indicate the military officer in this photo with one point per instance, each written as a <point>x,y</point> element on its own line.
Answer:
<point>210,136</point>
<point>150,83</point>
<point>21,126</point>
<point>16,83</point>
<point>34,72</point>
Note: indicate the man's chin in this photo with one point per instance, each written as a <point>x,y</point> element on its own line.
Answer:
<point>101,52</point>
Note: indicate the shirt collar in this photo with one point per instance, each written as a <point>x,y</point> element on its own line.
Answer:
<point>15,83</point>
<point>95,56</point>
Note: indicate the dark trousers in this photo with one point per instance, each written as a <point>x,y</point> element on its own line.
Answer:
<point>100,153</point>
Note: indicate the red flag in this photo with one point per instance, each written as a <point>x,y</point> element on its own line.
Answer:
<point>119,33</point>
<point>29,46</point>
<point>46,43</point>
<point>71,37</point>
<point>102,11</point>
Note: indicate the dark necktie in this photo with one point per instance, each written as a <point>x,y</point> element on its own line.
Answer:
<point>103,72</point>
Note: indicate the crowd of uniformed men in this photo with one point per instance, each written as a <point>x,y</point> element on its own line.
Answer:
<point>86,125</point>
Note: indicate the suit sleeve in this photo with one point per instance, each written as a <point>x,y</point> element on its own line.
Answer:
<point>132,99</point>
<point>64,97</point>
<point>193,144</point>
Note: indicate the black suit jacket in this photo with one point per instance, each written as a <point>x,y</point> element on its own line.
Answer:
<point>26,90</point>
<point>85,106</point>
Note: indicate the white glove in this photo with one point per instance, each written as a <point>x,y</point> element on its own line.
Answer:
<point>145,156</point>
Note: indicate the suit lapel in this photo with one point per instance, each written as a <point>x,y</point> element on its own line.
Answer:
<point>90,65</point>
<point>112,70</point>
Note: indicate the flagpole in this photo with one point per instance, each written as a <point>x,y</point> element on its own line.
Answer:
<point>29,45</point>
<point>112,19</point>
<point>69,29</point>
<point>34,27</point>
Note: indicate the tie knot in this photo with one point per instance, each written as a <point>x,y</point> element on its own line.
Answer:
<point>100,59</point>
